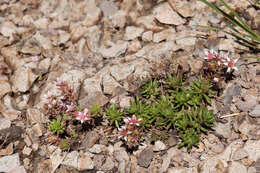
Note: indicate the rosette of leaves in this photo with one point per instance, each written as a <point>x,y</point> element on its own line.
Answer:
<point>150,89</point>
<point>191,124</point>
<point>114,115</point>
<point>57,126</point>
<point>202,90</point>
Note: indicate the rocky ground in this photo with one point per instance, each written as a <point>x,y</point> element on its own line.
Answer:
<point>97,47</point>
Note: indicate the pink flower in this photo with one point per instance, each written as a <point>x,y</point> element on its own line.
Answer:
<point>230,64</point>
<point>47,101</point>
<point>127,120</point>
<point>123,133</point>
<point>35,59</point>
<point>46,98</point>
<point>54,102</point>
<point>59,82</point>
<point>133,121</point>
<point>221,57</point>
<point>209,55</point>
<point>63,105</point>
<point>85,111</point>
<point>81,117</point>
<point>70,108</point>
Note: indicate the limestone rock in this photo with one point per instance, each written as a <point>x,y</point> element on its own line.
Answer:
<point>148,23</point>
<point>145,157</point>
<point>7,163</point>
<point>97,148</point>
<point>31,47</point>
<point>4,123</point>
<point>172,152</point>
<point>108,8</point>
<point>165,14</point>
<point>56,158</point>
<point>163,35</point>
<point>77,32</point>
<point>147,36</point>
<point>8,150</point>
<point>5,88</point>
<point>91,92</point>
<point>252,147</point>
<point>23,79</point>
<point>71,159</point>
<point>237,167</point>
<point>11,57</point>
<point>108,165</point>
<point>122,71</point>
<point>35,116</point>
<point>115,50</point>
<point>90,140</point>
<point>184,8</point>
<point>155,52</point>
<point>19,169</point>
<point>85,163</point>
<point>159,146</point>
<point>110,85</point>
<point>93,13</point>
<point>134,46</point>
<point>119,19</point>
<point>133,32</point>
<point>255,112</point>
<point>7,29</point>
<point>44,41</point>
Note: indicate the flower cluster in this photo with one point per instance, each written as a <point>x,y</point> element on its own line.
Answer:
<point>66,104</point>
<point>83,116</point>
<point>130,131</point>
<point>221,59</point>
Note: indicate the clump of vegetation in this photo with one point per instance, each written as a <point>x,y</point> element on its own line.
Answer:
<point>164,102</point>
<point>168,102</point>
<point>114,115</point>
<point>57,126</point>
<point>67,118</point>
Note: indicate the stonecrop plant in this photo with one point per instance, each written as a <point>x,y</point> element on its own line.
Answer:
<point>165,103</point>
<point>161,103</point>
<point>66,116</point>
<point>130,131</point>
<point>218,65</point>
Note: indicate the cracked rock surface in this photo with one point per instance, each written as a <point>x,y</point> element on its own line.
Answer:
<point>101,48</point>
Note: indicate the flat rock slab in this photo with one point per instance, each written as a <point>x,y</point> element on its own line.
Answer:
<point>165,14</point>
<point>145,157</point>
<point>10,162</point>
<point>255,112</point>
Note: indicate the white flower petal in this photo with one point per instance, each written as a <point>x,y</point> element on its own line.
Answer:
<point>235,68</point>
<point>228,59</point>
<point>216,79</point>
<point>229,69</point>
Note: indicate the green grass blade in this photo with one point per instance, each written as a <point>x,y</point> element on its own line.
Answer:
<point>255,57</point>
<point>211,28</point>
<point>245,41</point>
<point>227,16</point>
<point>243,35</point>
<point>245,26</point>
